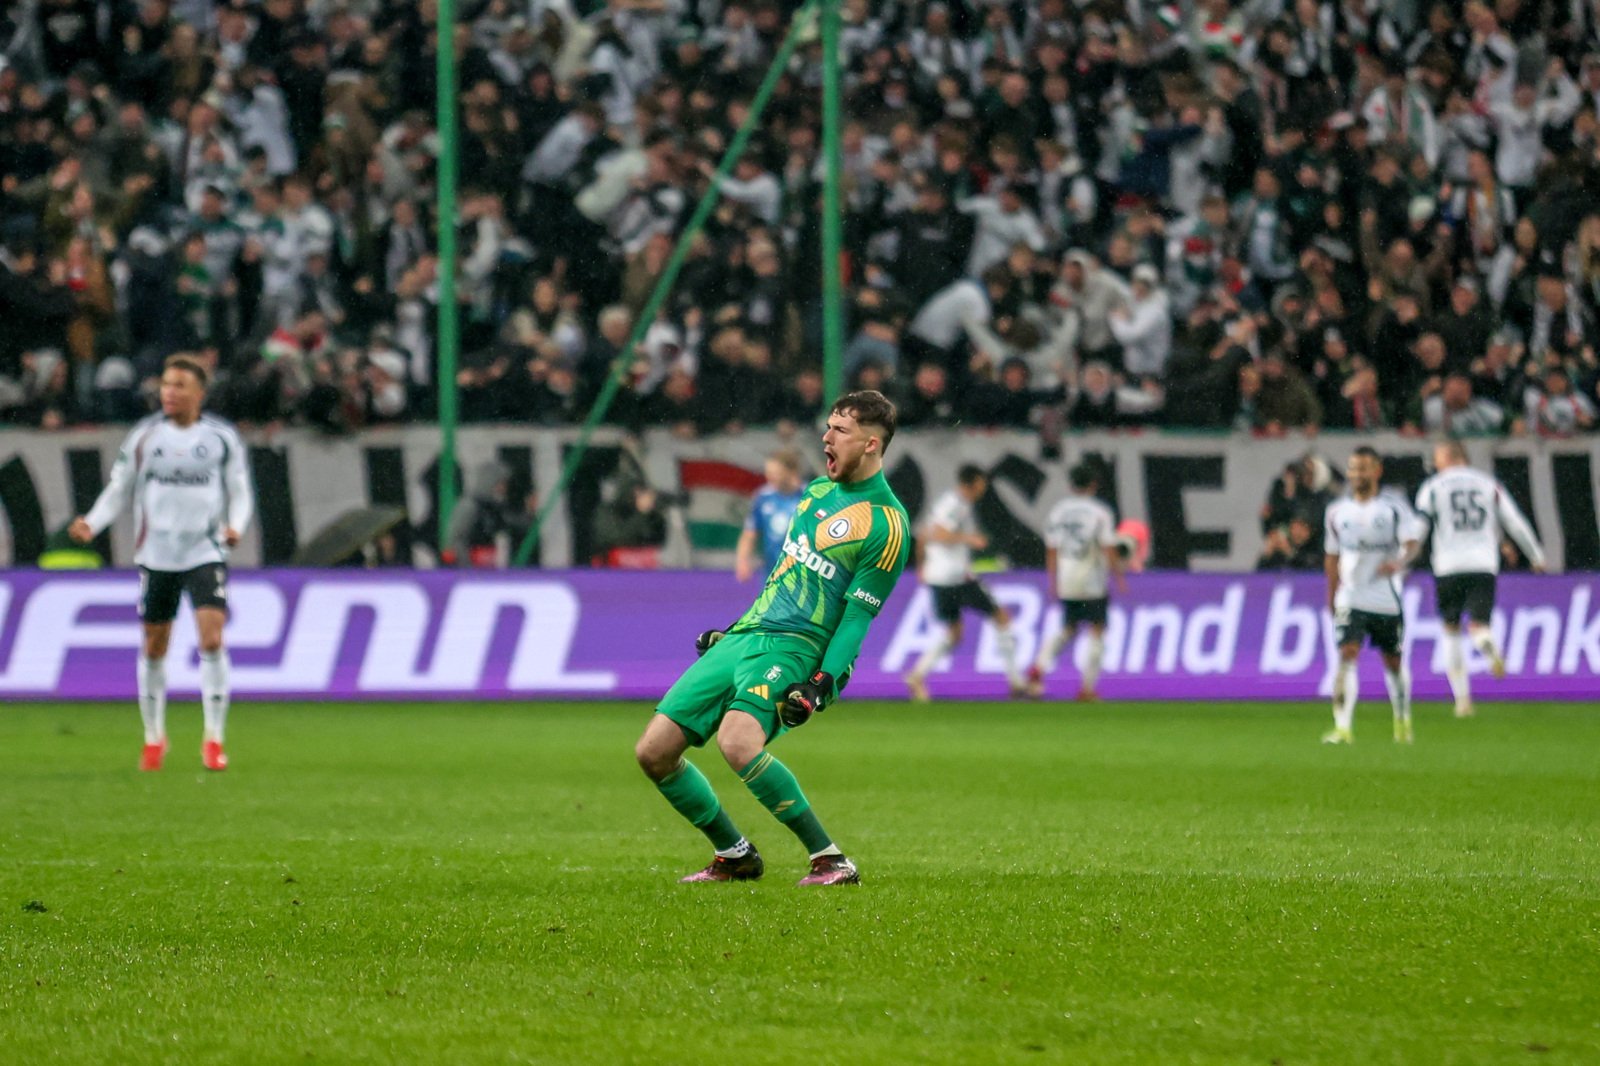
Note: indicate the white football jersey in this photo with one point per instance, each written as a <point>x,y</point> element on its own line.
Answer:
<point>1365,534</point>
<point>186,484</point>
<point>944,565</point>
<point>1080,529</point>
<point>1470,511</point>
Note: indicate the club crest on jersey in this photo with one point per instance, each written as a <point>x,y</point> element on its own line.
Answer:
<point>847,526</point>
<point>774,673</point>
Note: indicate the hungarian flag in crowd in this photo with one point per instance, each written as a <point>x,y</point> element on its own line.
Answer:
<point>719,500</point>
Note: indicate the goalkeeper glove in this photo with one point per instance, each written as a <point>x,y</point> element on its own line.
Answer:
<point>704,641</point>
<point>804,698</point>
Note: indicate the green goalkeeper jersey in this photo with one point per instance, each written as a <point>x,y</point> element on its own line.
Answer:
<point>846,546</point>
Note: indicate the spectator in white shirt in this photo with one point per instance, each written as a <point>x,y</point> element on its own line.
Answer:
<point>944,320</point>
<point>752,186</point>
<point>1004,220</point>
<point>1144,326</point>
<point>1085,296</point>
<point>1520,123</point>
<point>1556,410</point>
<point>258,112</point>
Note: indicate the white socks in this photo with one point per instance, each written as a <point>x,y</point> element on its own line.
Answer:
<point>214,692</point>
<point>1008,649</point>
<point>1091,664</point>
<point>931,657</point>
<point>1399,686</point>
<point>738,851</point>
<point>153,698</point>
<point>1094,652</point>
<point>213,695</point>
<point>1455,668</point>
<point>1050,651</point>
<point>1345,691</point>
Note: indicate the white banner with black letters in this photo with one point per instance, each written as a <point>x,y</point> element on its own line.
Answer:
<point>1200,495</point>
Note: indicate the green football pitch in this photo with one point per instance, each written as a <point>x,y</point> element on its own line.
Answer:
<point>1043,883</point>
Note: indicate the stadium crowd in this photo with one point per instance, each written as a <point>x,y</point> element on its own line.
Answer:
<point>1268,215</point>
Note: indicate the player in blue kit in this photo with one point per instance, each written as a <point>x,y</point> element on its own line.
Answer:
<point>761,543</point>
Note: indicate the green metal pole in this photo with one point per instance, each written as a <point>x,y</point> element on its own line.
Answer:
<point>832,220</point>
<point>449,337</point>
<point>624,360</point>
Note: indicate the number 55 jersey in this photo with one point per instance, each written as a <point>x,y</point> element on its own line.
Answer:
<point>1469,512</point>
<point>1080,529</point>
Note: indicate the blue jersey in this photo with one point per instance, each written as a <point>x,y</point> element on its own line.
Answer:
<point>770,513</point>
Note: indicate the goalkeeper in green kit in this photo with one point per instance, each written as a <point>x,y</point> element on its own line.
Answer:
<point>790,654</point>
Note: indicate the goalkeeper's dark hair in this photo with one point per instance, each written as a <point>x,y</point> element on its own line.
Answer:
<point>188,366</point>
<point>1084,476</point>
<point>869,407</point>
<point>970,474</point>
<point>1367,451</point>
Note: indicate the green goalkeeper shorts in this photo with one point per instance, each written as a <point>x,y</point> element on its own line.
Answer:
<point>744,672</point>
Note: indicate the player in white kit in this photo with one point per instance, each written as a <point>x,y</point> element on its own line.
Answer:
<point>186,476</point>
<point>1082,554</point>
<point>1469,512</point>
<point>1370,539</point>
<point>948,538</point>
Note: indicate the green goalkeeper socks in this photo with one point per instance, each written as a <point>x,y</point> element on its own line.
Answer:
<point>772,783</point>
<point>691,795</point>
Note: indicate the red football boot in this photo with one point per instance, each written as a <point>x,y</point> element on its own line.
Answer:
<point>831,870</point>
<point>150,760</point>
<point>747,867</point>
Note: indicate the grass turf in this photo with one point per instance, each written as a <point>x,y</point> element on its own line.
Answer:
<point>1150,883</point>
